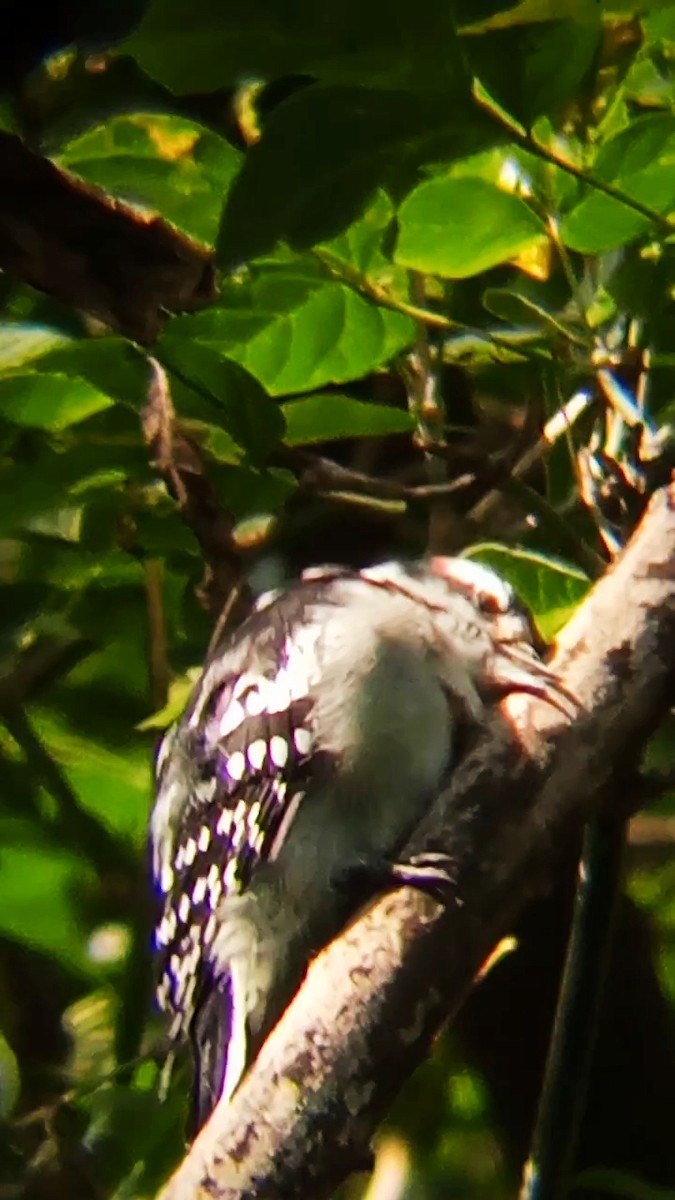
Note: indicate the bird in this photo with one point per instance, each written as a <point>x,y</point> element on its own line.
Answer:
<point>317,736</point>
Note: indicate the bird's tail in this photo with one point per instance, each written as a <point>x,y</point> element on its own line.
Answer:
<point>219,1047</point>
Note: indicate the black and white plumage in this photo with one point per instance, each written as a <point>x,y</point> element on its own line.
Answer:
<point>314,740</point>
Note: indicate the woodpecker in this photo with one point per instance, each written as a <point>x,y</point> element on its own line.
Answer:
<point>316,737</point>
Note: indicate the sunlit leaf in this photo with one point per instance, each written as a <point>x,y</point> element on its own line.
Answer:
<point>161,161</point>
<point>459,227</point>
<point>48,401</point>
<point>296,332</point>
<point>640,163</point>
<point>329,416</point>
<point>21,342</point>
<point>323,154</point>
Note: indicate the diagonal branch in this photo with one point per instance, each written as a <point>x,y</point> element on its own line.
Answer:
<point>372,1002</point>
<point>95,252</point>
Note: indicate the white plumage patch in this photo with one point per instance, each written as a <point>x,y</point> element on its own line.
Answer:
<point>199,891</point>
<point>255,703</point>
<point>278,751</point>
<point>303,741</point>
<point>232,717</point>
<point>257,754</point>
<point>236,765</point>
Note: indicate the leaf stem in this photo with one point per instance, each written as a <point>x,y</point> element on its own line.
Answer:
<point>346,273</point>
<point>527,142</point>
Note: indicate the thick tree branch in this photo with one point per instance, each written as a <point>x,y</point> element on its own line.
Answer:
<point>99,254</point>
<point>374,999</point>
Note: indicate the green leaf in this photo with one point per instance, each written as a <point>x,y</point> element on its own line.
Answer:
<point>599,223</point>
<point>325,151</point>
<point>218,443</point>
<point>249,416</point>
<point>328,417</point>
<point>10,1079</point>
<point>48,401</point>
<point>552,589</point>
<point>479,14</point>
<point>179,694</point>
<point>637,148</point>
<point>494,14</point>
<point>459,227</point>
<point>640,162</point>
<point>120,370</point>
<point>640,285</point>
<point>660,24</point>
<point>21,343</point>
<point>360,244</point>
<point>114,786</point>
<point>297,331</point>
<point>114,366</point>
<point>134,1134</point>
<point>520,309</point>
<point>70,380</point>
<point>547,60</point>
<point>199,46</point>
<point>40,888</point>
<point>646,86</point>
<point>171,165</point>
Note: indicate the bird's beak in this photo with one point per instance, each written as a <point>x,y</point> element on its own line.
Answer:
<point>518,668</point>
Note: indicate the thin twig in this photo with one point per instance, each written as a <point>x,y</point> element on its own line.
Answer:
<point>158,663</point>
<point>38,666</point>
<point>179,461</point>
<point>419,370</point>
<point>348,274</point>
<point>563,1095</point>
<point>527,142</point>
<point>322,475</point>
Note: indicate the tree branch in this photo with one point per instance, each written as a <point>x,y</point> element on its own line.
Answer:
<point>179,461</point>
<point>101,255</point>
<point>372,1002</point>
<point>25,675</point>
<point>320,475</point>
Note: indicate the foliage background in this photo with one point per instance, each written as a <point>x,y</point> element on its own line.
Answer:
<point>375,179</point>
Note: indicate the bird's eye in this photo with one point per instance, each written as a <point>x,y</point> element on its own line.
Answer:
<point>489,604</point>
